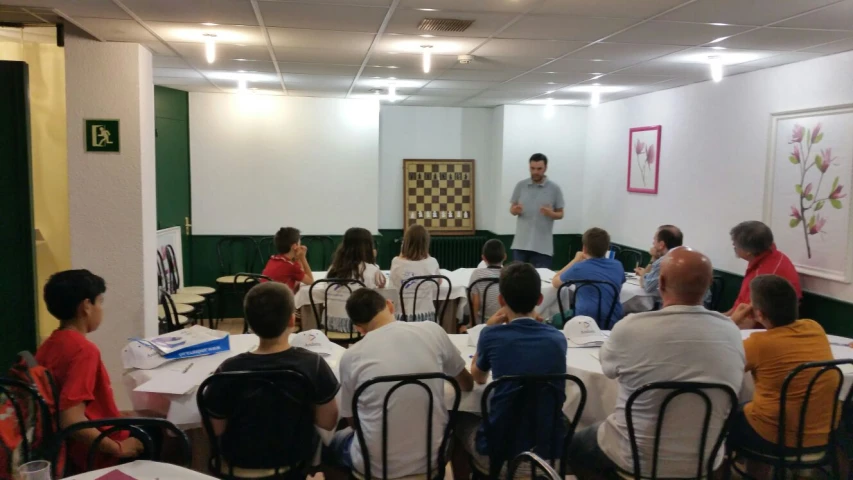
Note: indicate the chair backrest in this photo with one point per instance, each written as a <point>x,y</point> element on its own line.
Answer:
<point>135,426</point>
<point>704,466</point>
<point>483,292</point>
<point>258,405</point>
<point>174,273</point>
<point>819,369</point>
<point>399,381</point>
<point>242,283</point>
<point>238,254</point>
<point>602,321</point>
<point>630,259</point>
<point>169,323</point>
<point>524,396</point>
<point>26,425</point>
<point>331,283</point>
<point>717,286</point>
<point>162,278</point>
<point>614,251</point>
<point>267,247</point>
<point>319,246</point>
<point>417,282</point>
<point>536,463</point>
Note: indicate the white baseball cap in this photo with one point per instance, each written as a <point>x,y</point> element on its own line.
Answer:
<point>583,332</point>
<point>314,341</point>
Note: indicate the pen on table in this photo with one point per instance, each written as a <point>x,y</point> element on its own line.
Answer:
<point>189,367</point>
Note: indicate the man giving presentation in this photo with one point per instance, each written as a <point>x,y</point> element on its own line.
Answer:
<point>536,202</point>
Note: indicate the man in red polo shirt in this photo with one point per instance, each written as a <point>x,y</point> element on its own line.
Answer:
<point>290,266</point>
<point>76,298</point>
<point>753,242</point>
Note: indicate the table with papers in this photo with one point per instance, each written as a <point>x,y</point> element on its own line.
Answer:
<point>142,470</point>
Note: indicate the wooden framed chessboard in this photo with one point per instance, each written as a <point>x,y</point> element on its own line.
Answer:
<point>439,194</point>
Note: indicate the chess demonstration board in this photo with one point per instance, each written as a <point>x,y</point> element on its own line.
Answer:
<point>439,194</point>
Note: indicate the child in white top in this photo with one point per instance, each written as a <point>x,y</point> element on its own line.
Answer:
<point>414,261</point>
<point>355,258</point>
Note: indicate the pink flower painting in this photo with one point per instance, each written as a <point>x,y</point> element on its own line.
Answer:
<point>644,159</point>
<point>812,171</point>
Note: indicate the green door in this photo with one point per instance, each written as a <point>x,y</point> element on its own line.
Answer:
<point>171,123</point>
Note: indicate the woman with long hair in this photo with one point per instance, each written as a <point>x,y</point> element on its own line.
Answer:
<point>354,259</point>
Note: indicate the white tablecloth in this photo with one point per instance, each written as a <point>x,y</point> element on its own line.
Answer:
<point>581,362</point>
<point>145,470</point>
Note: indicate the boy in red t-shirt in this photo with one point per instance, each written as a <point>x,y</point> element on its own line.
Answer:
<point>290,266</point>
<point>76,298</point>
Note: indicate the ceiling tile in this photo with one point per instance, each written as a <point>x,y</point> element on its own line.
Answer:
<point>316,55</point>
<point>14,15</point>
<point>507,6</point>
<point>838,16</point>
<point>413,73</point>
<point>406,21</point>
<point>196,33</point>
<point>583,65</point>
<point>556,78</point>
<point>782,39</point>
<point>458,84</point>
<point>481,103</point>
<point>412,44</point>
<point>624,52</point>
<point>316,82</point>
<point>610,8</point>
<point>629,80</point>
<point>177,73</point>
<point>427,101</point>
<point>116,30</point>
<point>445,92</point>
<point>162,61</point>
<point>503,47</point>
<point>80,8</point>
<point>181,81</point>
<point>159,48</point>
<point>409,61</point>
<point>358,3</point>
<point>317,93</point>
<point>527,88</point>
<point>318,69</point>
<point>676,33</point>
<point>774,61</point>
<point>461,72</point>
<point>322,17</point>
<point>405,85</point>
<point>505,63</point>
<point>503,96</point>
<point>232,12</point>
<point>234,65</point>
<point>227,77</point>
<point>224,51</point>
<point>323,39</point>
<point>743,12</point>
<point>701,55</point>
<point>562,27</point>
<point>834,47</point>
<point>206,88</point>
<point>668,68</point>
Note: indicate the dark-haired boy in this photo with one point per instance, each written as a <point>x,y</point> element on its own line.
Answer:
<point>514,343</point>
<point>269,309</point>
<point>591,263</point>
<point>290,265</point>
<point>493,256</point>
<point>770,356</point>
<point>76,299</point>
<point>393,348</point>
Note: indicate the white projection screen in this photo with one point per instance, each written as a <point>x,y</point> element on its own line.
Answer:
<point>261,162</point>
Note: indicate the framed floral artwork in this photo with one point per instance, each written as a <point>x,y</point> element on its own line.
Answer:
<point>644,159</point>
<point>806,204</point>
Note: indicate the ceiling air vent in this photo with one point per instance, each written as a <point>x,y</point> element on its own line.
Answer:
<point>444,25</point>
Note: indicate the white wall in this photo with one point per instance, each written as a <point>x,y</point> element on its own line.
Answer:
<point>712,158</point>
<point>432,133</point>
<point>558,132</point>
<point>261,162</point>
<point>111,196</point>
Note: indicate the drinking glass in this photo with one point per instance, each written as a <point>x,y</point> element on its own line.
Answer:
<point>36,470</point>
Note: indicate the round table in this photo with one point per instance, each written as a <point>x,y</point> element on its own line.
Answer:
<point>146,470</point>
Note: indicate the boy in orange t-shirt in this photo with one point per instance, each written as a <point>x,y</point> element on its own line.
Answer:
<point>76,299</point>
<point>771,355</point>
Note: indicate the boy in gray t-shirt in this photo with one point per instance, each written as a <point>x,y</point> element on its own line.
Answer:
<point>494,254</point>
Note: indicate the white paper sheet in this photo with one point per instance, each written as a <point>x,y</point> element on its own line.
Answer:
<point>167,381</point>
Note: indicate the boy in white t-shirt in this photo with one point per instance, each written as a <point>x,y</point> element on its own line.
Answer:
<point>393,348</point>
<point>414,261</point>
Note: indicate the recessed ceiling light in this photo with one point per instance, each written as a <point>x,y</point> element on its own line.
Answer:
<point>596,73</point>
<point>375,77</point>
<point>208,24</point>
<point>392,66</point>
<point>241,59</point>
<point>392,78</point>
<point>551,83</point>
<point>549,92</point>
<point>241,71</point>
<point>550,72</point>
<point>718,48</point>
<point>427,36</point>
<point>717,40</point>
<point>597,60</point>
<point>719,24</point>
<point>596,84</point>
<point>427,9</point>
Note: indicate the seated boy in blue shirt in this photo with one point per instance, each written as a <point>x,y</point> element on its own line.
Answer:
<point>514,344</point>
<point>591,263</point>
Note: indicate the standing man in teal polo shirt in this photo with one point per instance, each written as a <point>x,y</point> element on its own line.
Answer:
<point>536,202</point>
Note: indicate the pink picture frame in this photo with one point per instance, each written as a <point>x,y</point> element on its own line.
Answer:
<point>644,159</point>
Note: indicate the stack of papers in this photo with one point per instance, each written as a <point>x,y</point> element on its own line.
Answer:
<point>546,274</point>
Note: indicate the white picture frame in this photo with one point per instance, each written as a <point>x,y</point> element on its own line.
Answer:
<point>809,214</point>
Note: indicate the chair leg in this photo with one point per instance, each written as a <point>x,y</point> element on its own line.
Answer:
<point>209,306</point>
